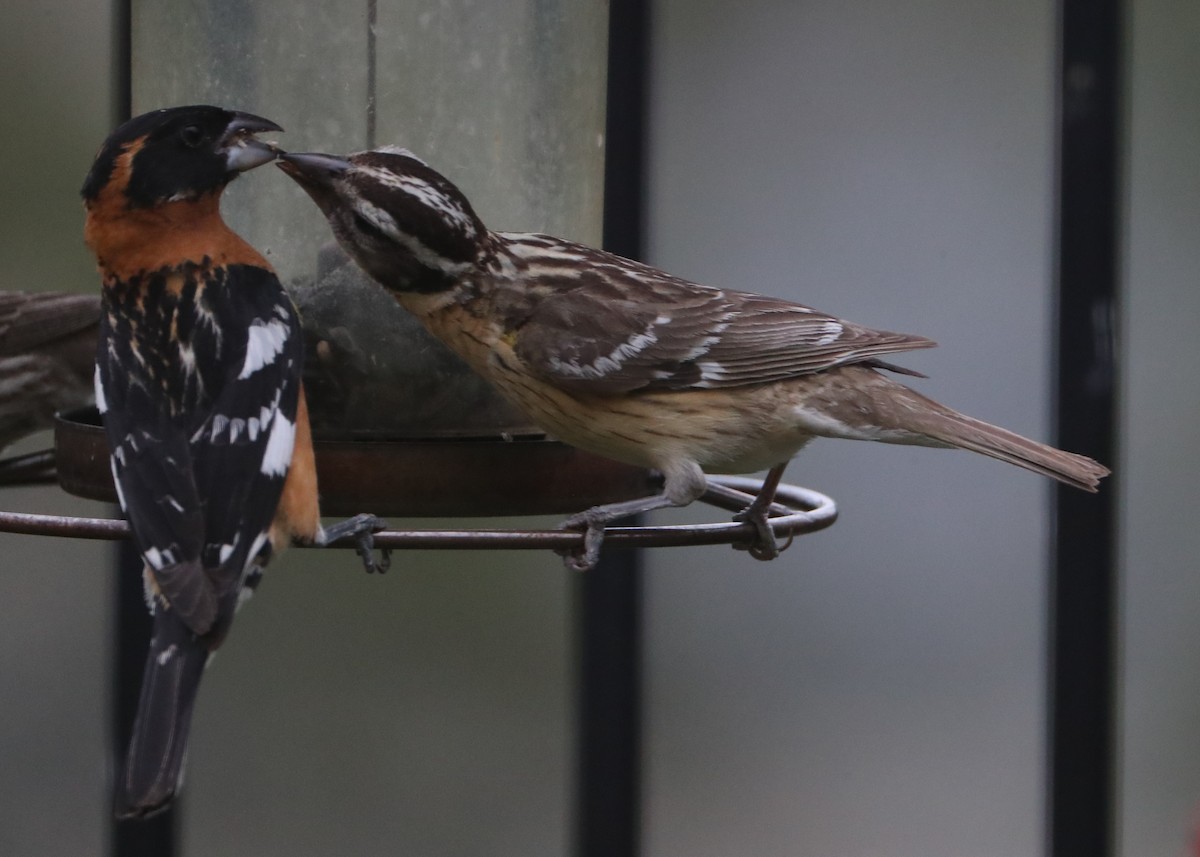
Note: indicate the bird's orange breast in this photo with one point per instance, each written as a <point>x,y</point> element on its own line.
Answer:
<point>128,241</point>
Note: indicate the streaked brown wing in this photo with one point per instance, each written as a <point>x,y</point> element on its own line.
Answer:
<point>636,328</point>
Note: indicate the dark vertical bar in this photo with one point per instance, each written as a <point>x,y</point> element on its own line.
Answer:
<point>372,70</point>
<point>1083,656</point>
<point>608,791</point>
<point>122,60</point>
<point>154,837</point>
<point>625,131</point>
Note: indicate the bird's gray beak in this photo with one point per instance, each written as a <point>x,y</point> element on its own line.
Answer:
<point>312,168</point>
<point>243,151</point>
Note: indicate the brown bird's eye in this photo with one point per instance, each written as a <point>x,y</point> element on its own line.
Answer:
<point>367,226</point>
<point>192,136</point>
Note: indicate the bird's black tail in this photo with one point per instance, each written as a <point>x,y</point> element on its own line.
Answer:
<point>154,764</point>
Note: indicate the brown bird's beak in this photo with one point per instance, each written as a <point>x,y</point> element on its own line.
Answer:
<point>243,151</point>
<point>312,169</point>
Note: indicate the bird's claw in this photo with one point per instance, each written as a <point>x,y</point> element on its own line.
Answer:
<point>362,529</point>
<point>763,546</point>
<point>365,548</point>
<point>584,559</point>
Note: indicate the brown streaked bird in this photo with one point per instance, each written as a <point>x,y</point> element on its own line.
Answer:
<point>47,358</point>
<point>198,378</point>
<point>630,362</point>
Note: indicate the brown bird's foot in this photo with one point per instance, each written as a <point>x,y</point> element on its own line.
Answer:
<point>593,526</point>
<point>361,528</point>
<point>764,545</point>
<point>593,523</point>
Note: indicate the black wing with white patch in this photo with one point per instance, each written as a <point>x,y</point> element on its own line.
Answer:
<point>141,382</point>
<point>243,450</point>
<point>617,326</point>
<point>198,378</point>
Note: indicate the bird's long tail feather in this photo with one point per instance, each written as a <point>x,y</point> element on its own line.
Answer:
<point>968,433</point>
<point>154,763</point>
<point>870,406</point>
<point>914,412</point>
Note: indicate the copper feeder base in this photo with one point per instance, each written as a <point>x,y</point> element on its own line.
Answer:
<point>418,478</point>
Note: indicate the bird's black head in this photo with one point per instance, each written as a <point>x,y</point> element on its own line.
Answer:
<point>177,153</point>
<point>405,224</point>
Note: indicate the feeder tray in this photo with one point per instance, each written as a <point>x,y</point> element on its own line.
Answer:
<point>408,478</point>
<point>451,477</point>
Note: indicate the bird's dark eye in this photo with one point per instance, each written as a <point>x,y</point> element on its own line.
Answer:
<point>192,136</point>
<point>367,226</point>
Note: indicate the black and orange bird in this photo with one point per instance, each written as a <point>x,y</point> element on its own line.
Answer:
<point>630,362</point>
<point>197,376</point>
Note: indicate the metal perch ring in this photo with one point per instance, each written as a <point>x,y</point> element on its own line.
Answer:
<point>797,511</point>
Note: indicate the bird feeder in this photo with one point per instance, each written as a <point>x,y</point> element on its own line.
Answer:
<point>511,104</point>
<point>510,101</point>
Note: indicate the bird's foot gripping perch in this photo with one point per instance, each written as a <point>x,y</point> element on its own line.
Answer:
<point>361,528</point>
<point>593,522</point>
<point>763,546</point>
